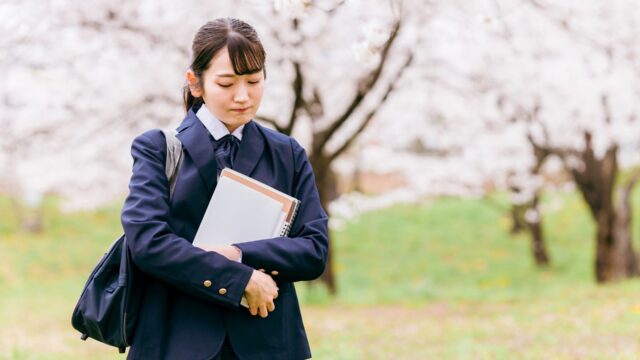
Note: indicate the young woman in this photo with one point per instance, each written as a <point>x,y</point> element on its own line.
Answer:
<point>191,299</point>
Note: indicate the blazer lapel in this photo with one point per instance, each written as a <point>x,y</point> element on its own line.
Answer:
<point>251,149</point>
<point>195,140</point>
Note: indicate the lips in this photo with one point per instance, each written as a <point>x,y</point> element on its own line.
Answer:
<point>241,110</point>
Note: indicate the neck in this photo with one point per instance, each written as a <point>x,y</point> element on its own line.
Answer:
<point>231,128</point>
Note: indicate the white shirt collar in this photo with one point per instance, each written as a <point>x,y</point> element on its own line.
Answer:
<point>216,128</point>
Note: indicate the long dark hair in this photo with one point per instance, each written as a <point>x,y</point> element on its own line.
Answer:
<point>245,51</point>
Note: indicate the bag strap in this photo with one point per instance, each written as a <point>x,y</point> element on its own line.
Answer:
<point>174,158</point>
<point>172,165</point>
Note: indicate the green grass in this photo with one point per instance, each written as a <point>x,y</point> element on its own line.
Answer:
<point>441,280</point>
<point>457,250</point>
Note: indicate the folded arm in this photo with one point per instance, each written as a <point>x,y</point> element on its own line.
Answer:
<point>159,252</point>
<point>302,255</point>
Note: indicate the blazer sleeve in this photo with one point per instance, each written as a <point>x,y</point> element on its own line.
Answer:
<point>155,248</point>
<point>302,255</point>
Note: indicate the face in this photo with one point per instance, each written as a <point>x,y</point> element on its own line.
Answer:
<point>234,99</point>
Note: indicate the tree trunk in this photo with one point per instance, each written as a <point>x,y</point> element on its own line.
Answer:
<point>534,227</point>
<point>615,258</point>
<point>622,230</point>
<point>538,245</point>
<point>624,253</point>
<point>595,178</point>
<point>326,182</point>
<point>611,261</point>
<point>534,230</point>
<point>517,225</point>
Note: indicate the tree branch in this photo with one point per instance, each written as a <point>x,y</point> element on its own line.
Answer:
<point>298,102</point>
<point>372,113</point>
<point>314,107</point>
<point>322,30</point>
<point>564,25</point>
<point>123,24</point>
<point>364,88</point>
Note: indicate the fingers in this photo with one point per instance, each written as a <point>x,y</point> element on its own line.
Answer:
<point>261,291</point>
<point>263,311</point>
<point>271,306</point>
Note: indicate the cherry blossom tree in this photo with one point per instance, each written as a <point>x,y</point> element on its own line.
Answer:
<point>461,97</point>
<point>332,105</point>
<point>78,86</point>
<point>567,72</point>
<point>562,78</point>
<point>463,145</point>
<point>580,101</point>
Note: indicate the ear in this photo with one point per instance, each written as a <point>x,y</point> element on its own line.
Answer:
<point>194,84</point>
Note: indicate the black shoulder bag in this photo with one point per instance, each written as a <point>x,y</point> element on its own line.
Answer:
<point>109,303</point>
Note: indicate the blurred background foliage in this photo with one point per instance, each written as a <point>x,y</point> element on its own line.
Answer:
<point>478,160</point>
<point>441,280</point>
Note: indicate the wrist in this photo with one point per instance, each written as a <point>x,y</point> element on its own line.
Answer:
<point>238,253</point>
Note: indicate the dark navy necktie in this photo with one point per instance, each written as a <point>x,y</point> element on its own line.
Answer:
<point>225,150</point>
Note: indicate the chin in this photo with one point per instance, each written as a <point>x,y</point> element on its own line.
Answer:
<point>245,118</point>
<point>238,120</point>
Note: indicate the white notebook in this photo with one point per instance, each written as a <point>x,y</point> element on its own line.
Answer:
<point>244,209</point>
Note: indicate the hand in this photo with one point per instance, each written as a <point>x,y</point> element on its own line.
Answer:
<point>229,251</point>
<point>260,293</point>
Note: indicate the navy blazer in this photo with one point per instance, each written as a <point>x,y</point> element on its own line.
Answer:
<point>191,296</point>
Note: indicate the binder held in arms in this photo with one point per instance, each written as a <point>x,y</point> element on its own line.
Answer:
<point>243,209</point>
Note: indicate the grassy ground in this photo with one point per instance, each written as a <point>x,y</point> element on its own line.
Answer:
<point>439,281</point>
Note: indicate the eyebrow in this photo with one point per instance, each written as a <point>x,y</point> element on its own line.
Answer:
<point>227,75</point>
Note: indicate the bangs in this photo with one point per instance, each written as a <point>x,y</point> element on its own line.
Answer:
<point>246,57</point>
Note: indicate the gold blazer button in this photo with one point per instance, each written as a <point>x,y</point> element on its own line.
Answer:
<point>207,283</point>
<point>222,291</point>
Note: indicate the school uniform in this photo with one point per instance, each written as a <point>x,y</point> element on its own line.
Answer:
<point>191,304</point>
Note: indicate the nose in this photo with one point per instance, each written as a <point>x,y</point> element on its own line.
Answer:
<point>242,95</point>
